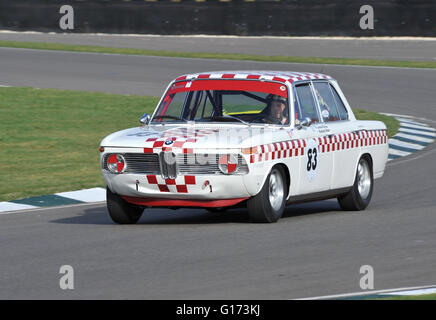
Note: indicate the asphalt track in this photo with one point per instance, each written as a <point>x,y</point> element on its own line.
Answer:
<point>315,249</point>
<point>412,49</point>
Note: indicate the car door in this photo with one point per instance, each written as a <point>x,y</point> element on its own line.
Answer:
<point>343,139</point>
<point>315,165</point>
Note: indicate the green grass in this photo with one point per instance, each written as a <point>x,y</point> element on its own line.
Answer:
<point>49,138</point>
<point>391,123</point>
<point>210,55</point>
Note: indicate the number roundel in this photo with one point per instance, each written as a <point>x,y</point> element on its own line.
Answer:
<point>228,163</point>
<point>312,159</point>
<point>116,163</point>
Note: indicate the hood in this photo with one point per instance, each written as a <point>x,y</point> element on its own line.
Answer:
<point>197,136</point>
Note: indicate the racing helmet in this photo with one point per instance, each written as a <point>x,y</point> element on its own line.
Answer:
<point>273,97</point>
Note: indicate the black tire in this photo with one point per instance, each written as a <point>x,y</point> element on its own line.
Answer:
<point>260,208</point>
<point>354,200</point>
<point>120,210</point>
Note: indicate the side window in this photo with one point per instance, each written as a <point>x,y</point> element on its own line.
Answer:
<point>341,107</point>
<point>307,104</point>
<point>297,107</point>
<point>326,102</point>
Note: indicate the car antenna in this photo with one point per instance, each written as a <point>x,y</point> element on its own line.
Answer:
<point>322,69</point>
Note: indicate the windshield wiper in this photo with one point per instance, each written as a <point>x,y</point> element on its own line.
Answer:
<point>226,118</point>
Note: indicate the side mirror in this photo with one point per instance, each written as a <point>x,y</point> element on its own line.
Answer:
<point>306,122</point>
<point>145,119</point>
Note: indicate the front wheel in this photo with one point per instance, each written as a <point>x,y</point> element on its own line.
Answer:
<point>120,210</point>
<point>268,205</point>
<point>360,194</point>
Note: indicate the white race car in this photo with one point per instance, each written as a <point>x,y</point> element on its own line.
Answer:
<point>260,139</point>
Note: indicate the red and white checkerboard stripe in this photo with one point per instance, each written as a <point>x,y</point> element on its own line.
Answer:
<point>279,150</point>
<point>256,75</point>
<point>295,148</point>
<point>346,141</point>
<point>179,138</point>
<point>178,185</point>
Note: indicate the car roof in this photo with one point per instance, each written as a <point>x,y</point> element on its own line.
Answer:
<point>282,76</point>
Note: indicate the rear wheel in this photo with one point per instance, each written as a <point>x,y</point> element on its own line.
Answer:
<point>268,205</point>
<point>360,194</point>
<point>120,210</point>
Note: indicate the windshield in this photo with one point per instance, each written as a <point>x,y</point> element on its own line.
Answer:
<point>239,101</point>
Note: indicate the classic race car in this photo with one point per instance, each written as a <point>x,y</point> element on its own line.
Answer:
<point>260,139</point>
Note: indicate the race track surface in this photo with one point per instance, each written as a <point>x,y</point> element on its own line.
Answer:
<point>315,249</point>
<point>417,49</point>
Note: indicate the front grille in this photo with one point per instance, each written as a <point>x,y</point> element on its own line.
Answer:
<point>206,164</point>
<point>187,164</point>
<point>168,165</point>
<point>139,163</point>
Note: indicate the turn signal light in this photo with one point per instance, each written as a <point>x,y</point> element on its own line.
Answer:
<point>251,150</point>
<point>101,149</point>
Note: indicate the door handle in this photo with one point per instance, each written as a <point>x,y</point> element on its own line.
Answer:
<point>358,131</point>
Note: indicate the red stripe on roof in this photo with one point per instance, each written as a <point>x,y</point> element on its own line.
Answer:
<point>279,79</point>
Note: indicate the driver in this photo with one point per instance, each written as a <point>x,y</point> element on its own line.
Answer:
<point>276,110</point>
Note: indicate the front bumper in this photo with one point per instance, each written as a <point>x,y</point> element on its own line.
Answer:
<point>184,187</point>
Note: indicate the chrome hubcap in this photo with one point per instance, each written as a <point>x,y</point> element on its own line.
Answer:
<point>363,179</point>
<point>276,192</point>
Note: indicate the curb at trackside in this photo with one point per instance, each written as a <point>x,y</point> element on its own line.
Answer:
<point>379,294</point>
<point>85,196</point>
<point>412,136</point>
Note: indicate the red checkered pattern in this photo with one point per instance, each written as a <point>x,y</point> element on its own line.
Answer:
<point>279,150</point>
<point>228,163</point>
<point>178,185</point>
<point>346,141</point>
<point>179,138</point>
<point>256,75</point>
<point>343,141</point>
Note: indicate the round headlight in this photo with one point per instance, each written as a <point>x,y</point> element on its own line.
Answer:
<point>228,163</point>
<point>116,163</point>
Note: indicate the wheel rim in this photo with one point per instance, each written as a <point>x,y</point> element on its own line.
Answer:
<point>276,192</point>
<point>363,179</point>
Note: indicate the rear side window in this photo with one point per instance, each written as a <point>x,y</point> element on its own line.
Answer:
<point>326,102</point>
<point>341,107</point>
<point>307,104</point>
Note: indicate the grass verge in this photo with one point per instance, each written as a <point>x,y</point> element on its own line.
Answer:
<point>49,138</point>
<point>210,55</point>
<point>391,123</point>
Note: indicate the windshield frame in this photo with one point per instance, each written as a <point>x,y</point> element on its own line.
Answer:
<point>289,105</point>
